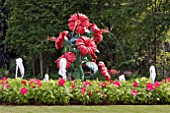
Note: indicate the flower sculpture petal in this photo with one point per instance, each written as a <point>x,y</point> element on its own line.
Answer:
<point>104,71</point>
<point>70,58</point>
<point>86,45</point>
<point>94,57</point>
<point>97,33</point>
<point>78,23</point>
<point>60,40</point>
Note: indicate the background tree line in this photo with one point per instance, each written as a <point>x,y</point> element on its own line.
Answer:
<point>139,32</point>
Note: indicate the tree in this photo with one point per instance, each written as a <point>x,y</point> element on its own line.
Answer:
<point>4,55</point>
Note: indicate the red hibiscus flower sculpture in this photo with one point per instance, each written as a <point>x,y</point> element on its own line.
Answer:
<point>86,45</point>
<point>97,33</point>
<point>70,58</point>
<point>79,47</point>
<point>60,40</point>
<point>78,23</point>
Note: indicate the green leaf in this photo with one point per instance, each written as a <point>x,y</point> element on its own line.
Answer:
<point>76,74</point>
<point>87,58</point>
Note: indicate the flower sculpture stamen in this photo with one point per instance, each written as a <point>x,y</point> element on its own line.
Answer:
<point>86,45</point>
<point>78,23</point>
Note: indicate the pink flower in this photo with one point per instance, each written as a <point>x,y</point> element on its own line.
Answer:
<point>168,79</point>
<point>87,83</point>
<point>163,81</point>
<point>60,40</point>
<point>111,82</point>
<point>70,58</point>
<point>104,95</point>
<point>6,86</point>
<point>4,80</point>
<point>134,92</point>
<point>86,45</point>
<point>78,23</point>
<point>98,84</point>
<point>90,92</point>
<point>135,84</point>
<point>116,83</point>
<point>73,86</point>
<point>35,82</point>
<point>61,82</point>
<point>83,90</point>
<point>156,84</point>
<point>149,86</point>
<point>23,91</point>
<point>104,85</point>
<point>97,91</point>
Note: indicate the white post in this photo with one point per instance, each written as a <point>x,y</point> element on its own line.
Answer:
<point>46,77</point>
<point>19,65</point>
<point>152,74</point>
<point>62,70</point>
<point>122,78</point>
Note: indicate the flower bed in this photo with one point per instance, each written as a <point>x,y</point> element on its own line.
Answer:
<point>61,92</point>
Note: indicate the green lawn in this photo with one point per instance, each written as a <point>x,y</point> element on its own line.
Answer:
<point>87,109</point>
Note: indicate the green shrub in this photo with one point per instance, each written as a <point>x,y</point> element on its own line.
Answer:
<point>61,92</point>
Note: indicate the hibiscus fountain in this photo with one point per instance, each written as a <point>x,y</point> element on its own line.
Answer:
<point>80,46</point>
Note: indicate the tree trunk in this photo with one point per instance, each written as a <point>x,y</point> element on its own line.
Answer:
<point>41,64</point>
<point>47,70</point>
<point>33,67</point>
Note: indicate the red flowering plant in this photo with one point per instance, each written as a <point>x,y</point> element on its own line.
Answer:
<point>79,49</point>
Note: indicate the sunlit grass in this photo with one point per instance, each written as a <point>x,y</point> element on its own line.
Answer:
<point>87,109</point>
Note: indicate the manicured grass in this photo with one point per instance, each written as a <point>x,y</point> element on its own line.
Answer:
<point>87,109</point>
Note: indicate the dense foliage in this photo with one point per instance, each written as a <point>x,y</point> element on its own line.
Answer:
<point>138,30</point>
<point>61,92</point>
<point>4,55</point>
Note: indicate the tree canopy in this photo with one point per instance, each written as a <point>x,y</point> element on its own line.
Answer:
<point>138,30</point>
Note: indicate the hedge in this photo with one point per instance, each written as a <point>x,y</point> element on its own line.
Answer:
<point>61,92</point>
